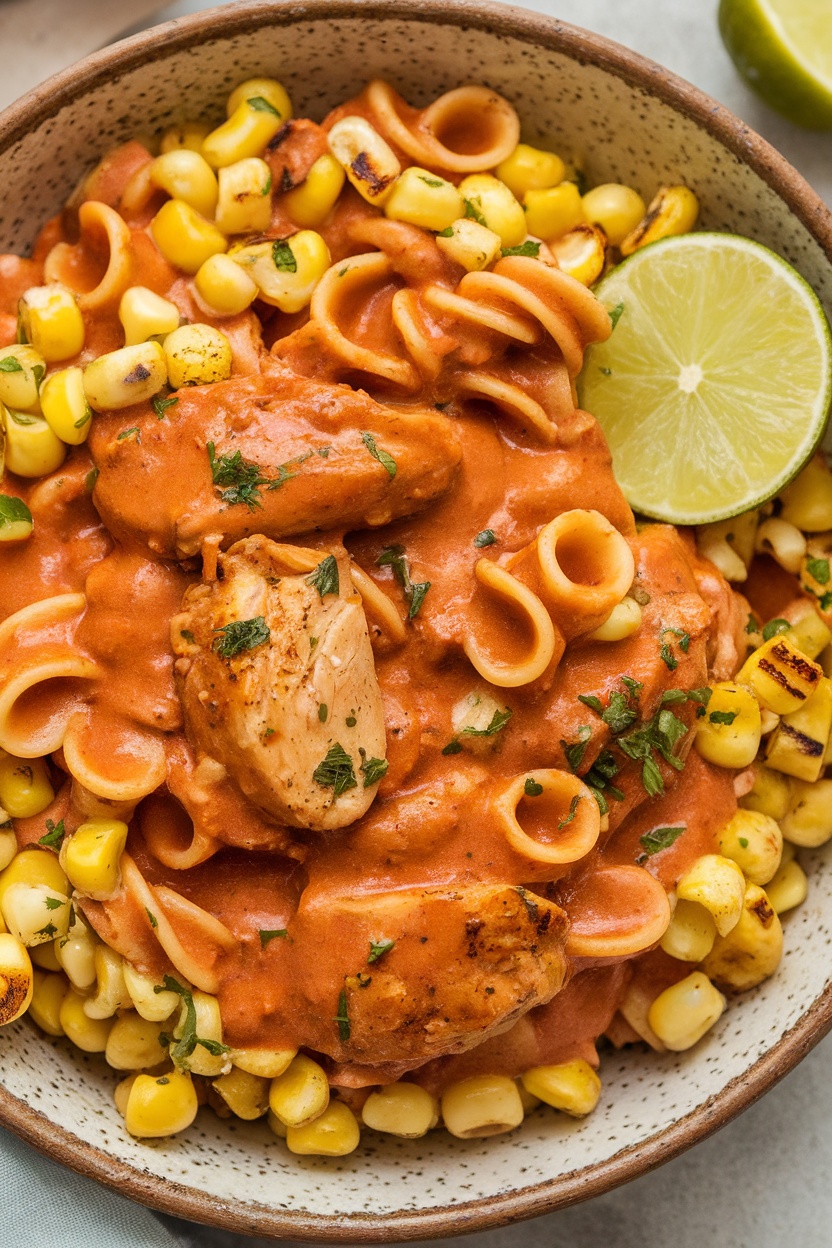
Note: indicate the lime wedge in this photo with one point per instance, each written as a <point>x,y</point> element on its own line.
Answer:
<point>783,49</point>
<point>714,387</point>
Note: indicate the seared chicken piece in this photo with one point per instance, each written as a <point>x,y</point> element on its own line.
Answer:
<point>277,682</point>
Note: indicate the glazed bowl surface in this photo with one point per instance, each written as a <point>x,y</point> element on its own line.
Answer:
<point>632,122</point>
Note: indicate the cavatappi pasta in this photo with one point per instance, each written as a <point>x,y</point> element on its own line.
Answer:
<point>345,713</point>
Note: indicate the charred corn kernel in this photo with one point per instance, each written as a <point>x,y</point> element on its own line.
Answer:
<point>153,1006</point>
<point>247,132</point>
<point>266,1063</point>
<point>133,1043</point>
<point>367,159</point>
<point>197,355</point>
<point>581,253</point>
<point>224,286</point>
<point>51,321</point>
<point>245,203</point>
<point>186,175</point>
<point>268,89</point>
<point>300,1094</point>
<point>35,914</point>
<point>530,169</point>
<point>25,788</point>
<point>419,197</point>
<point>208,1027</point>
<point>552,213</point>
<point>311,203</point>
<point>798,744</point>
<point>491,203</point>
<point>334,1134</point>
<point>780,675</point>
<point>76,954</point>
<point>91,856</point>
<point>402,1109</point>
<point>32,449</point>
<point>755,843</point>
<point>89,1034</point>
<point>807,501</point>
<point>470,244</point>
<point>572,1087</point>
<point>44,956</point>
<point>185,238</point>
<point>65,407</point>
<point>16,979</point>
<point>121,378</point>
<point>718,884</point>
<point>783,541</point>
<point>752,950</point>
<point>623,621</point>
<point>673,210</point>
<point>246,1095</point>
<point>482,1105</point>
<point>771,793</point>
<point>287,270</point>
<point>808,631</point>
<point>808,823</point>
<point>110,989</point>
<point>729,732</point>
<point>144,314</point>
<point>691,933</point>
<point>190,135</point>
<point>22,369</point>
<point>8,845</point>
<point>788,888</point>
<point>717,543</point>
<point>682,1014</point>
<point>36,867</point>
<point>47,998</point>
<point>160,1105</point>
<point>616,208</point>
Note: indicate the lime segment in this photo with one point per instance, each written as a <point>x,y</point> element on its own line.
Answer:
<point>714,387</point>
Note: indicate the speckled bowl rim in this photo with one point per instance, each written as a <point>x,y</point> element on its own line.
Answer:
<point>252,1218</point>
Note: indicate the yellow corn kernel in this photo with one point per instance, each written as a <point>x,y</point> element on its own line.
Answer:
<point>808,823</point>
<point>247,1096</point>
<point>47,998</point>
<point>91,857</point>
<point>752,950</point>
<point>528,1101</point>
<point>729,733</point>
<point>8,842</point>
<point>771,794</point>
<point>334,1134</point>
<point>44,956</point>
<point>76,954</point>
<point>788,888</point>
<point>718,884</point>
<point>25,787</point>
<point>153,1006</point>
<point>22,370</point>
<point>798,744</point>
<point>691,933</point>
<point>184,238</point>
<point>572,1087</point>
<point>482,1105</point>
<point>186,175</point>
<point>224,286</point>
<point>65,407</point>
<point>300,1094</point>
<point>160,1105</point>
<point>366,158</point>
<point>755,843</point>
<point>121,378</point>
<point>419,197</point>
<point>247,132</point>
<point>268,89</point>
<point>16,979</point>
<point>470,244</point>
<point>245,203</point>
<point>616,208</point>
<point>311,203</point>
<point>552,213</point>
<point>491,203</point>
<point>189,135</point>
<point>89,1034</point>
<point>32,449</point>
<point>197,355</point>
<point>266,1063</point>
<point>16,525</point>
<point>121,1093</point>
<point>581,253</point>
<point>673,210</point>
<point>783,541</point>
<point>35,914</point>
<point>682,1014</point>
<point>807,501</point>
<point>37,867</point>
<point>133,1043</point>
<point>789,853</point>
<point>288,270</point>
<point>623,621</point>
<point>144,314</point>
<point>279,1128</point>
<point>780,675</point>
<point>51,321</point>
<point>208,1027</point>
<point>402,1109</point>
<point>807,630</point>
<point>111,991</point>
<point>530,169</point>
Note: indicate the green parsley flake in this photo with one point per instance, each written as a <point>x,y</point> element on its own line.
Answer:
<point>529,248</point>
<point>261,105</point>
<point>818,569</point>
<point>774,627</point>
<point>53,903</point>
<point>10,365</point>
<point>722,717</point>
<point>430,181</point>
<point>394,557</point>
<point>373,769</point>
<point>575,751</point>
<point>160,403</point>
<point>657,839</point>
<point>55,833</point>
<point>336,772</point>
<point>453,747</point>
<point>498,721</point>
<point>386,460</point>
<point>573,810</point>
<point>241,635</point>
<point>322,712</point>
<point>378,948</point>
<point>154,922</point>
<point>325,577</point>
<point>270,934</point>
<point>531,788</point>
<point>486,537</point>
<point>133,433</point>
<point>616,314</point>
<point>283,257</point>
<point>185,1045</point>
<point>472,212</point>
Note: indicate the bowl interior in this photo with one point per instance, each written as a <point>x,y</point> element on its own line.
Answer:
<point>629,122</point>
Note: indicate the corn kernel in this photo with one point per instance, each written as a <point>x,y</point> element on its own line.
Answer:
<point>572,1087</point>
<point>153,1006</point>
<point>771,793</point>
<point>780,675</point>
<point>808,823</point>
<point>729,733</point>
<point>616,208</point>
<point>76,954</point>
<point>798,744</point>
<point>673,210</point>
<point>420,198</point>
<point>581,253</point>
<point>718,884</point>
<point>22,369</point>
<point>528,1101</point>
<point>279,1128</point>
<point>552,213</point>
<point>491,203</point>
<point>16,979</point>
<point>268,89</point>
<point>32,449</point>
<point>224,286</point>
<point>755,843</point>
<point>186,175</point>
<point>91,857</point>
<point>807,501</point>
<point>470,244</point>
<point>111,991</point>
<point>752,949</point>
<point>530,169</point>
<point>788,888</point>
<point>482,1105</point>
<point>162,1105</point>
<point>682,1014</point>
<point>623,621</point>
<point>133,1043</point>
<point>44,956</point>
<point>402,1109</point>
<point>25,787</point>
<point>197,355</point>
<point>89,1034</point>
<point>65,407</point>
<point>35,914</point>
<point>37,867</point>
<point>247,132</point>
<point>287,270</point>
<point>121,378</point>
<point>121,1093</point>
<point>311,203</point>
<point>51,321</point>
<point>266,1063</point>
<point>691,933</point>
<point>247,1096</point>
<point>245,204</point>
<point>334,1134</point>
<point>717,542</point>
<point>367,159</point>
<point>144,314</point>
<point>208,1027</point>
<point>184,238</point>
<point>300,1094</point>
<point>8,843</point>
<point>189,135</point>
<point>47,998</point>
<point>783,541</point>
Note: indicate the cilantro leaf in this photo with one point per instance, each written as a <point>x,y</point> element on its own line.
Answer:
<point>325,577</point>
<point>55,833</point>
<point>241,635</point>
<point>283,257</point>
<point>498,721</point>
<point>573,810</point>
<point>776,626</point>
<point>486,537</point>
<point>529,248</point>
<point>262,105</point>
<point>269,934</point>
<point>185,1045</point>
<point>531,788</point>
<point>378,948</point>
<point>386,460</point>
<point>336,772</point>
<point>372,769</point>
<point>657,839</point>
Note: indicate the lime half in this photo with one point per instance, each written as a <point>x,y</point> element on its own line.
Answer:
<point>783,49</point>
<point>714,387</point>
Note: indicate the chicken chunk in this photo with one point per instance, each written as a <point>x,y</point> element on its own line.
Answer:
<point>277,682</point>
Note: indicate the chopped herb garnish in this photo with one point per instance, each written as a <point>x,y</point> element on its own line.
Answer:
<point>529,248</point>
<point>487,537</point>
<point>616,314</point>
<point>53,903</point>
<point>90,480</point>
<point>38,372</point>
<point>453,747</point>
<point>342,1018</point>
<point>387,461</point>
<point>271,934</point>
<point>752,626</point>
<point>13,510</point>
<point>573,809</point>
<point>267,185</point>
<point>498,721</point>
<point>325,577</point>
<point>635,686</point>
<point>322,712</point>
<point>818,569</point>
<point>531,788</point>
<point>84,418</point>
<point>242,477</point>
<point>350,721</point>
<point>657,839</point>
<point>185,1045</point>
<point>187,635</point>
<point>722,717</point>
<point>372,769</point>
<point>336,772</point>
<point>55,833</point>
<point>160,403</point>
<point>378,948</point>
<point>661,734</point>
<point>473,213</point>
<point>133,432</point>
<point>684,638</point>
<point>671,662</point>
<point>417,597</point>
<point>618,715</point>
<point>283,257</point>
<point>575,752</point>
<point>743,841</point>
<point>446,233</point>
<point>49,930</point>
<point>10,365</point>
<point>241,635</point>
<point>394,557</point>
<point>774,627</point>
<point>430,181</point>
<point>154,922</point>
<point>261,105</point>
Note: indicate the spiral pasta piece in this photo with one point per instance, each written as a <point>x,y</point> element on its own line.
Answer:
<point>548,816</point>
<point>465,130</point>
<point>540,645</point>
<point>102,256</point>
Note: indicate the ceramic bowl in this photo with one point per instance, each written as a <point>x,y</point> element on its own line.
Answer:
<point>633,122</point>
